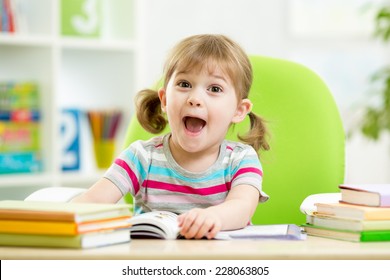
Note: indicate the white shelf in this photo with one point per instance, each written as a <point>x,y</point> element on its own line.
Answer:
<point>28,40</point>
<point>78,179</point>
<point>97,44</point>
<point>73,72</point>
<point>24,180</point>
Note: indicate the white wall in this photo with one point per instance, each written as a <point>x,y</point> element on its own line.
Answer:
<point>331,37</point>
<point>256,25</point>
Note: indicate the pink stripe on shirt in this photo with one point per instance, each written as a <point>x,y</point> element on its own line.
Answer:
<point>186,189</point>
<point>177,199</point>
<point>247,170</point>
<point>129,172</point>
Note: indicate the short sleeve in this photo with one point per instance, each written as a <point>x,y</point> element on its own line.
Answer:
<point>247,170</point>
<point>128,169</point>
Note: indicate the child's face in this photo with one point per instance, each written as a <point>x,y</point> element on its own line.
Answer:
<point>200,106</point>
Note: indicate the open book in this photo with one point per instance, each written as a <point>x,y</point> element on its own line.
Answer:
<point>156,224</point>
<point>164,225</point>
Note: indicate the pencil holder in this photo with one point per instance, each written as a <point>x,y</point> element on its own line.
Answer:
<point>104,153</point>
<point>104,125</point>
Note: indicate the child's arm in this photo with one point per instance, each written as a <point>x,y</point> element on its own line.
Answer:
<point>103,191</point>
<point>235,212</point>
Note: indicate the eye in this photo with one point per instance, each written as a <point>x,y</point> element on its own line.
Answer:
<point>184,84</point>
<point>215,89</point>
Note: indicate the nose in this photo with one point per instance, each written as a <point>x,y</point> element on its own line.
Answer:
<point>194,100</point>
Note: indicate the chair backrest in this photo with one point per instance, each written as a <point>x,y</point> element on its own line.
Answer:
<point>307,137</point>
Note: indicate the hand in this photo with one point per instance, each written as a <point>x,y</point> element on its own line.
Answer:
<point>198,223</point>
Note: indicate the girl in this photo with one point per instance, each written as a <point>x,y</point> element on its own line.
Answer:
<point>213,183</point>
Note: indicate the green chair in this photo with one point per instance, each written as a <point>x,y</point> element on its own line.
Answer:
<point>307,138</point>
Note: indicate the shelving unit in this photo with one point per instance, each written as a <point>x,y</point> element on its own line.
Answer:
<point>72,72</point>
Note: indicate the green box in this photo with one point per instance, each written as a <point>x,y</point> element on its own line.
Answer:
<point>81,18</point>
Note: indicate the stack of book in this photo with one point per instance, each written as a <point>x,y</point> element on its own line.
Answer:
<point>68,225</point>
<point>20,128</point>
<point>363,214</point>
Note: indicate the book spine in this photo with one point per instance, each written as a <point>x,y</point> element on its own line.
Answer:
<point>1,15</point>
<point>20,115</point>
<point>10,16</point>
<point>9,239</point>
<point>37,215</point>
<point>375,235</point>
<point>20,162</point>
<point>4,17</point>
<point>37,227</point>
<point>19,137</point>
<point>7,16</point>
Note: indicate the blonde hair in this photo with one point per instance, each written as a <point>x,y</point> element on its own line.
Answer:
<point>191,53</point>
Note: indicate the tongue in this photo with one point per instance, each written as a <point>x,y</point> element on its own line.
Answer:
<point>194,124</point>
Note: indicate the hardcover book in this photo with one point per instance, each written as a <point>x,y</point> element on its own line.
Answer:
<point>62,228</point>
<point>350,211</point>
<point>356,236</point>
<point>60,211</point>
<point>87,240</point>
<point>347,224</point>
<point>370,195</point>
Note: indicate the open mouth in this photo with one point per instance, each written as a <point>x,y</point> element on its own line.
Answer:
<point>194,124</point>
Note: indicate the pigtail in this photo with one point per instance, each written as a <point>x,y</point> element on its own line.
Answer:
<point>256,136</point>
<point>149,113</point>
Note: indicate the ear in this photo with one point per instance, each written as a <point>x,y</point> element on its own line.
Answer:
<point>163,99</point>
<point>243,108</point>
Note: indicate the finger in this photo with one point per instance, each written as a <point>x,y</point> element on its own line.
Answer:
<point>204,229</point>
<point>197,224</point>
<point>180,219</point>
<point>214,230</point>
<point>188,220</point>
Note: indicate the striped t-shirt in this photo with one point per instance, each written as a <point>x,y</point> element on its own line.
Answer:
<point>149,172</point>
